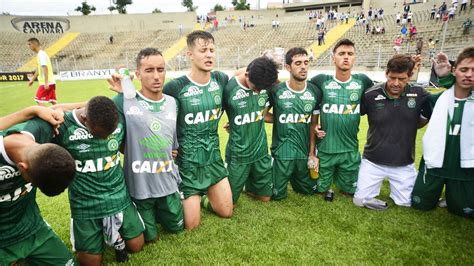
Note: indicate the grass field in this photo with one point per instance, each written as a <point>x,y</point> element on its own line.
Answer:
<point>299,230</point>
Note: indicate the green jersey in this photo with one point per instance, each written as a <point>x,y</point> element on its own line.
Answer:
<point>245,108</point>
<point>292,111</point>
<point>98,189</point>
<point>199,112</point>
<point>452,155</point>
<point>340,111</point>
<point>19,214</point>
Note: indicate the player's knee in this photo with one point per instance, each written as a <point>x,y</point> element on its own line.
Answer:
<point>265,198</point>
<point>191,224</point>
<point>135,244</point>
<point>226,212</point>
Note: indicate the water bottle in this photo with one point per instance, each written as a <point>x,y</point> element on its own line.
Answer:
<point>121,254</point>
<point>313,173</point>
<point>128,89</point>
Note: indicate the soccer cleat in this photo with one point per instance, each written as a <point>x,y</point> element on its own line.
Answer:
<point>329,196</point>
<point>375,204</point>
<point>442,203</point>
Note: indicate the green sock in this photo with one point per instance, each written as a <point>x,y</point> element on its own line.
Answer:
<point>206,204</point>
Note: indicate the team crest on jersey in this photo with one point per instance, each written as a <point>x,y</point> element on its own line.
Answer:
<point>195,101</point>
<point>354,86</point>
<point>134,110</point>
<point>80,134</point>
<point>286,95</point>
<point>213,86</point>
<point>7,172</point>
<point>217,99</point>
<point>240,94</point>
<point>411,103</point>
<point>354,97</point>
<point>333,86</point>
<point>307,96</point>
<point>146,105</point>
<point>379,97</point>
<point>308,107</point>
<point>112,145</point>
<point>261,101</point>
<point>332,94</point>
<point>193,91</point>
<point>83,147</point>
<point>155,125</point>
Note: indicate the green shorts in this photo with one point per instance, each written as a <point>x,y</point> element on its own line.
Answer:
<point>87,234</point>
<point>256,176</point>
<point>343,168</point>
<point>167,211</point>
<point>295,171</point>
<point>459,194</point>
<point>42,248</point>
<point>196,180</point>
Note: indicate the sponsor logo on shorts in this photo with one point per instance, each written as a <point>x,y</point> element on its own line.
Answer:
<point>379,97</point>
<point>416,199</point>
<point>7,172</point>
<point>213,86</point>
<point>333,86</point>
<point>134,110</point>
<point>193,91</point>
<point>286,95</point>
<point>468,210</point>
<point>80,134</point>
<point>240,94</point>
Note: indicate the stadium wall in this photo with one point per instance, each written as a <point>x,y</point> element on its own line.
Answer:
<point>99,23</point>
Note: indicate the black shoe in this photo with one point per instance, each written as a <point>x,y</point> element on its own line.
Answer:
<point>121,255</point>
<point>329,196</point>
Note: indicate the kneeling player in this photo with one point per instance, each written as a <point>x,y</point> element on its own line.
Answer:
<point>99,200</point>
<point>293,103</point>
<point>24,165</point>
<point>448,145</point>
<point>245,99</point>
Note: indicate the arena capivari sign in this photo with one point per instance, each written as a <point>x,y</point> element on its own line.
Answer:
<point>44,25</point>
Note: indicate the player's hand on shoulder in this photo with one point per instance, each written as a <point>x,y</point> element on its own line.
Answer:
<point>52,116</point>
<point>441,65</point>
<point>319,132</point>
<point>174,154</point>
<point>227,127</point>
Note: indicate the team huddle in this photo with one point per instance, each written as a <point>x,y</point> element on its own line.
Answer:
<point>173,166</point>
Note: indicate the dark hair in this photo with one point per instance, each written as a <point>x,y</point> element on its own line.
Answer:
<point>34,40</point>
<point>400,63</point>
<point>198,34</point>
<point>468,52</point>
<point>51,168</point>
<point>102,116</point>
<point>292,52</point>
<point>262,72</point>
<point>146,53</point>
<point>342,42</point>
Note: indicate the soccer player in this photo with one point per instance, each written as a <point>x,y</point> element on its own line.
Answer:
<point>393,109</point>
<point>448,145</point>
<point>199,97</point>
<point>338,147</point>
<point>245,100</point>
<point>46,92</point>
<point>99,200</point>
<point>293,102</point>
<point>24,165</point>
<point>151,175</point>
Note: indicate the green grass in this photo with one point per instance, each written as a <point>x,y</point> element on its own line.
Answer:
<point>299,230</point>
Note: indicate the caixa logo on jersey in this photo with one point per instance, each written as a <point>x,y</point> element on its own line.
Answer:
<point>7,172</point>
<point>44,25</point>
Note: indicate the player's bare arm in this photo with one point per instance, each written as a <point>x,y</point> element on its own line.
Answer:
<point>53,117</point>
<point>32,80</point>
<point>441,65</point>
<point>268,117</point>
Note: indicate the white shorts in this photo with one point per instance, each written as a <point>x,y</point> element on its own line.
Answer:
<point>401,179</point>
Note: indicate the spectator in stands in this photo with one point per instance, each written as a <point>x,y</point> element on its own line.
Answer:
<point>431,48</point>
<point>310,55</point>
<point>320,37</point>
<point>406,8</point>
<point>367,28</point>
<point>369,14</point>
<point>381,13</point>
<point>215,24</point>
<point>404,31</point>
<point>376,14</point>
<point>397,44</point>
<point>455,3</point>
<point>438,15</point>
<point>111,39</point>
<point>433,12</point>
<point>445,19</point>
<point>409,16</point>
<point>443,8</point>
<point>180,28</point>
<point>378,29</point>
<point>413,32</point>
<point>467,25</point>
<point>419,46</point>
<point>452,12</point>
<point>398,18</point>
<point>318,24</point>
<point>277,21</point>
<point>463,6</point>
